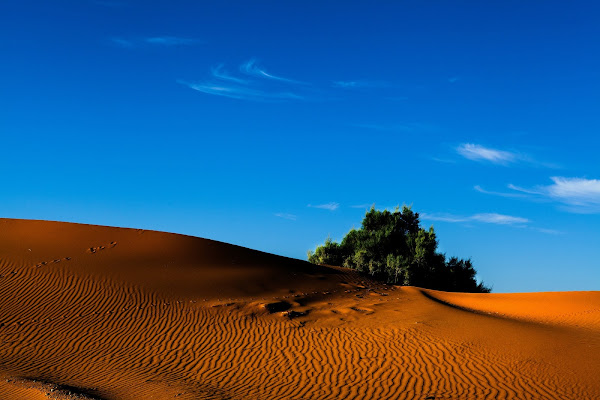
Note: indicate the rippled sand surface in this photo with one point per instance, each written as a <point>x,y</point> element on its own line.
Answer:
<point>90,312</point>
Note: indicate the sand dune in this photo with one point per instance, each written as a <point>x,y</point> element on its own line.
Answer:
<point>575,309</point>
<point>96,312</point>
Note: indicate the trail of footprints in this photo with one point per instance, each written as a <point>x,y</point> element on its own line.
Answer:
<point>55,261</point>
<point>90,250</point>
<point>96,249</point>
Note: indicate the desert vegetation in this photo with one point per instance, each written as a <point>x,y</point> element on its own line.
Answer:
<point>393,247</point>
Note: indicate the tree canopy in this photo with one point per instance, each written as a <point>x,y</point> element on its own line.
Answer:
<point>392,246</point>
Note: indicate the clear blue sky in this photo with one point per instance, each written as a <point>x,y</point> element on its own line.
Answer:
<point>273,124</point>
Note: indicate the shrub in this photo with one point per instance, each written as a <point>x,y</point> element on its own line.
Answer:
<point>391,246</point>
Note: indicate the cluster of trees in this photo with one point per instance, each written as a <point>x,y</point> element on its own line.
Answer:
<point>391,246</point>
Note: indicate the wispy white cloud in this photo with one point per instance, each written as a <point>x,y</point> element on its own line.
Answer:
<point>358,84</point>
<point>290,217</point>
<point>225,91</point>
<point>577,195</point>
<point>251,67</point>
<point>453,79</point>
<point>477,152</point>
<point>240,92</point>
<point>362,205</point>
<point>524,191</point>
<point>501,194</point>
<point>444,217</point>
<point>268,88</point>
<point>171,41</point>
<point>219,73</point>
<point>443,160</point>
<point>346,84</point>
<point>328,206</point>
<point>548,231</point>
<point>166,41</point>
<point>488,218</point>
<point>254,82</point>
<point>493,218</point>
<point>575,191</point>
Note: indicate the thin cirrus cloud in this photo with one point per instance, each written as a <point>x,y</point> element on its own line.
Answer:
<point>259,86</point>
<point>362,205</point>
<point>347,84</point>
<point>332,206</point>
<point>501,194</point>
<point>548,231</point>
<point>477,152</point>
<point>171,41</point>
<point>287,216</point>
<point>577,195</point>
<point>240,92</point>
<point>253,82</point>
<point>488,218</point>
<point>252,68</point>
<point>359,84</point>
<point>165,41</point>
<point>219,73</point>
<point>501,219</point>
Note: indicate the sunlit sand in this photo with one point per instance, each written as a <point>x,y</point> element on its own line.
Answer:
<point>95,312</point>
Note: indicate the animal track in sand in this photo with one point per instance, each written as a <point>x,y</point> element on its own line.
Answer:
<point>96,249</point>
<point>54,261</point>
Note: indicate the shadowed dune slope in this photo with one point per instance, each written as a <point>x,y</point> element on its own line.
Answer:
<point>93,312</point>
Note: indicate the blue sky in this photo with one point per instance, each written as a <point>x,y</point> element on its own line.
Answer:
<point>274,124</point>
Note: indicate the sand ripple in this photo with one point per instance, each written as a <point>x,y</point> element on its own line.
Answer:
<point>123,323</point>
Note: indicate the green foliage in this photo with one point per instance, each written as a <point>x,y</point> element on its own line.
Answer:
<point>330,253</point>
<point>391,246</point>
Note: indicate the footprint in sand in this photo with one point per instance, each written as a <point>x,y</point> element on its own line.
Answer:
<point>96,249</point>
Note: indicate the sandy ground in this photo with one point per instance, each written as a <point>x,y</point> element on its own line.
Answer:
<point>94,312</point>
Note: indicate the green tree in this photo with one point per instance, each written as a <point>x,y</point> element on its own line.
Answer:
<point>391,246</point>
<point>329,253</point>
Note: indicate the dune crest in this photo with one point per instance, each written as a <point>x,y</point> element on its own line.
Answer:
<point>95,312</point>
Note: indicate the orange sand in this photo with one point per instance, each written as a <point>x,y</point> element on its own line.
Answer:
<point>94,312</point>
